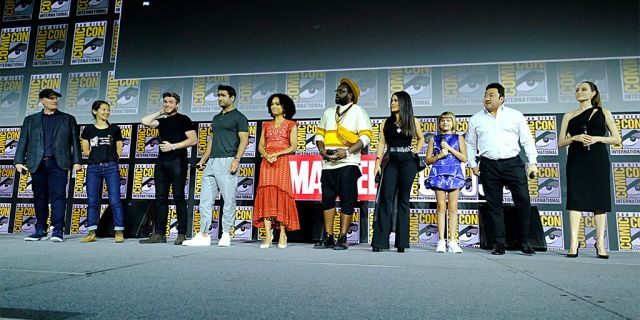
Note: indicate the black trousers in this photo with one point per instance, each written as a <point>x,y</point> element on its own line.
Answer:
<point>174,173</point>
<point>396,183</point>
<point>496,174</point>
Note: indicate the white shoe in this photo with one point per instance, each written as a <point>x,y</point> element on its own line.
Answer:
<point>199,240</point>
<point>442,246</point>
<point>454,247</point>
<point>225,240</point>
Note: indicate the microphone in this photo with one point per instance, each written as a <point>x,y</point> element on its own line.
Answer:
<point>532,175</point>
<point>584,130</point>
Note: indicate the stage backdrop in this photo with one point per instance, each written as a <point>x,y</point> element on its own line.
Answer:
<point>71,46</point>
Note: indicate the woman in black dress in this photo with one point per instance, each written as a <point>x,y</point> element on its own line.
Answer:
<point>588,168</point>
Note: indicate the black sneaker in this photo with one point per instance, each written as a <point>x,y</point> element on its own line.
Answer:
<point>327,242</point>
<point>36,236</point>
<point>155,238</point>
<point>341,244</point>
<point>180,239</point>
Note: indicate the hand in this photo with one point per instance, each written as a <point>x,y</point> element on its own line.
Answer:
<point>233,168</point>
<point>414,150</point>
<point>341,154</point>
<point>21,168</point>
<point>532,169</point>
<point>166,146</point>
<point>77,167</point>
<point>201,165</point>
<point>445,146</point>
<point>377,170</point>
<point>476,171</point>
<point>272,158</point>
<point>584,138</point>
<point>444,152</point>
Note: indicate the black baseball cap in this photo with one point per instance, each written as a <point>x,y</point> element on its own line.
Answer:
<point>47,93</point>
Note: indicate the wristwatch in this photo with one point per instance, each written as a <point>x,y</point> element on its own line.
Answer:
<point>347,153</point>
<point>173,146</point>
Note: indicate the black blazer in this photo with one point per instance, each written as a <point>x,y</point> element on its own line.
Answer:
<point>66,141</point>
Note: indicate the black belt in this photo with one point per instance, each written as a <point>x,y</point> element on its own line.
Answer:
<point>500,160</point>
<point>399,149</point>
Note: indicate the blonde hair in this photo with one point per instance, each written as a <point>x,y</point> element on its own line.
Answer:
<point>448,114</point>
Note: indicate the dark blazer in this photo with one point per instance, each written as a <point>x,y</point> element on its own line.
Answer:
<point>66,142</point>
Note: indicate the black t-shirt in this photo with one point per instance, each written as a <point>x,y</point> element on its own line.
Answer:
<point>172,129</point>
<point>102,142</point>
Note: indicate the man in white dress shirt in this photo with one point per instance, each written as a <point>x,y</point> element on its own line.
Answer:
<point>494,136</point>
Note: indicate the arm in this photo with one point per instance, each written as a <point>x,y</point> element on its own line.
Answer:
<point>76,157</point>
<point>430,158</point>
<point>419,136</point>
<point>293,143</point>
<point>320,132</point>
<point>382,145</point>
<point>207,152</point>
<point>564,139</point>
<point>150,120</point>
<point>244,142</point>
<point>85,147</point>
<point>22,145</point>
<point>614,136</point>
<point>471,143</point>
<point>262,145</point>
<point>527,141</point>
<point>462,154</point>
<point>364,136</point>
<point>119,145</point>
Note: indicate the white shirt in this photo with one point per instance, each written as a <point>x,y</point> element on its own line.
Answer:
<point>499,137</point>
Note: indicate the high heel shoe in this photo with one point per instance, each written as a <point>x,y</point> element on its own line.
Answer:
<point>267,244</point>
<point>574,255</point>
<point>283,246</point>
<point>600,256</point>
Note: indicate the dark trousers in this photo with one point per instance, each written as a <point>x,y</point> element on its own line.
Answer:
<point>396,183</point>
<point>496,174</point>
<point>110,172</point>
<point>49,184</point>
<point>174,173</point>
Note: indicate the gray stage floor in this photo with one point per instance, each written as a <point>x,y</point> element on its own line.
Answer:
<point>103,280</point>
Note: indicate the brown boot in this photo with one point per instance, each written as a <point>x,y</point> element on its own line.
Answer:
<point>180,239</point>
<point>154,238</point>
<point>90,237</point>
<point>119,238</point>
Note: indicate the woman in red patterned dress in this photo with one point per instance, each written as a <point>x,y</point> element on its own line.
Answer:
<point>275,205</point>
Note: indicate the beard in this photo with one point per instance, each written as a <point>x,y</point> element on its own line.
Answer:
<point>342,101</point>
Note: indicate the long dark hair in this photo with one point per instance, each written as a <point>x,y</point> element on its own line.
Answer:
<point>407,120</point>
<point>96,106</point>
<point>595,101</point>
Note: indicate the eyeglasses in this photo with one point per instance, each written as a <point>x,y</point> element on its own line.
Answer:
<point>343,91</point>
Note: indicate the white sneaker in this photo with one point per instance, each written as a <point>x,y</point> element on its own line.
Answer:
<point>454,247</point>
<point>442,246</point>
<point>199,240</point>
<point>225,240</point>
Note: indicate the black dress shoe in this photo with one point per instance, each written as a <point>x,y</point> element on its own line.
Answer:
<point>341,244</point>
<point>574,255</point>
<point>527,250</point>
<point>376,249</point>
<point>327,242</point>
<point>400,250</point>
<point>601,256</point>
<point>498,250</point>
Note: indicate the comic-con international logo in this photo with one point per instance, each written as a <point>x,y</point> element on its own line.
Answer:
<point>9,142</point>
<point>147,143</point>
<point>307,89</point>
<point>587,236</point>
<point>25,189</point>
<point>5,216</point>
<point>123,95</point>
<point>463,85</point>
<point>123,170</point>
<point>204,130</point>
<point>54,9</point>
<point>172,223</point>
<point>126,132</point>
<point>246,181</point>
<point>92,7</point>
<point>629,127</point>
<point>626,182</point>
<point>250,151</point>
<point>79,219</point>
<point>367,81</point>
<point>471,190</point>
<point>375,138</point>
<point>82,90</point>
<point>80,184</point>
<point>306,137</point>
<point>7,180</point>
<point>573,72</point>
<point>544,131</point>
<point>15,10</point>
<point>157,87</point>
<point>420,193</point>
<point>628,231</point>
<point>39,82</point>
<point>423,227</point>
<point>429,128</point>
<point>205,93</point>
<point>353,232</point>
<point>10,96</point>
<point>114,41</point>
<point>243,223</point>
<point>144,186</point>
<point>118,6</point>
<point>88,42</point>
<point>524,82</point>
<point>253,91</point>
<point>14,44</point>
<point>630,79</point>
<point>25,218</point>
<point>415,81</point>
<point>468,228</point>
<point>50,44</point>
<point>215,221</point>
<point>552,225</point>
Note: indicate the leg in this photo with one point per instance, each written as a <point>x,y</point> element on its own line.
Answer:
<point>348,192</point>
<point>282,241</point>
<point>40,187</point>
<point>208,193</point>
<point>490,178</point>
<point>94,195</point>
<point>453,215</point>
<point>601,227</point>
<point>441,211</point>
<point>383,222</point>
<point>178,176</point>
<point>161,178</point>
<point>515,178</point>
<point>57,195</point>
<point>574,223</point>
<point>228,184</point>
<point>406,174</point>
<point>112,178</point>
<point>266,242</point>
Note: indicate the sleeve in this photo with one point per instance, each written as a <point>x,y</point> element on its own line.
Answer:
<point>23,141</point>
<point>85,133</point>
<point>526,140</point>
<point>365,133</point>
<point>187,124</point>
<point>321,128</point>
<point>75,142</point>
<point>117,133</point>
<point>242,124</point>
<point>472,143</point>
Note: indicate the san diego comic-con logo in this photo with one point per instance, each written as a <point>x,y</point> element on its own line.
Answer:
<point>429,128</point>
<point>9,142</point>
<point>243,223</point>
<point>463,85</point>
<point>630,79</point>
<point>92,7</point>
<point>123,171</point>
<point>15,10</point>
<point>79,222</point>
<point>144,186</point>
<point>123,95</point>
<point>573,72</point>
<point>367,81</point>
<point>83,89</point>
<point>50,9</point>
<point>39,82</point>
<point>25,188</point>
<point>552,224</point>
<point>10,95</point>
<point>545,187</point>
<point>250,151</point>
<point>375,135</point>
<point>5,217</point>
<point>246,181</point>
<point>628,231</point>
<point>468,228</point>
<point>50,44</point>
<point>587,232</point>
<point>353,232</point>
<point>254,91</point>
<point>629,127</point>
<point>307,89</point>
<point>126,132</point>
<point>114,41</point>
<point>306,137</point>
<point>25,218</point>
<point>544,131</point>
<point>415,81</point>
<point>626,182</point>
<point>80,184</point>
<point>7,181</point>
<point>205,93</point>
<point>215,221</point>
<point>14,44</point>
<point>158,87</point>
<point>524,82</point>
<point>88,42</point>
<point>172,223</point>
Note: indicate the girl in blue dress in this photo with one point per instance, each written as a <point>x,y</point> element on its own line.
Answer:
<point>445,153</point>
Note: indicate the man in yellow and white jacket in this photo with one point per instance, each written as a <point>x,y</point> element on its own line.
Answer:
<point>344,130</point>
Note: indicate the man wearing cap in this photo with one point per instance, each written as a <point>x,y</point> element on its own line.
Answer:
<point>344,130</point>
<point>49,146</point>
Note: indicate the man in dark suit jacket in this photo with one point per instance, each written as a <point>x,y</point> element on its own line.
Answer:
<point>49,146</point>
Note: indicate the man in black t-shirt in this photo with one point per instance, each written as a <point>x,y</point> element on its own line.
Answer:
<point>176,133</point>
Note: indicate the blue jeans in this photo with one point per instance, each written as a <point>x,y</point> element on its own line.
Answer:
<point>49,184</point>
<point>111,174</point>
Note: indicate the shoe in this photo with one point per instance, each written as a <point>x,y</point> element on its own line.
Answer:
<point>56,236</point>
<point>283,245</point>
<point>199,240</point>
<point>180,239</point>
<point>327,242</point>
<point>527,250</point>
<point>498,249</point>
<point>600,256</point>
<point>225,240</point>
<point>454,247</point>
<point>36,236</point>
<point>400,250</point>
<point>376,249</point>
<point>574,255</point>
<point>90,237</point>
<point>119,238</point>
<point>267,241</point>
<point>154,238</point>
<point>442,246</point>
<point>341,244</point>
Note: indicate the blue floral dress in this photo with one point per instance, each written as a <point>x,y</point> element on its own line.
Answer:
<point>446,173</point>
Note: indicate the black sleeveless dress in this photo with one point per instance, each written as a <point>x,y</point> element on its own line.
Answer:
<point>588,170</point>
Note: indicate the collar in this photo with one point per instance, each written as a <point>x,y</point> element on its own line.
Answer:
<point>500,108</point>
<point>54,113</point>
